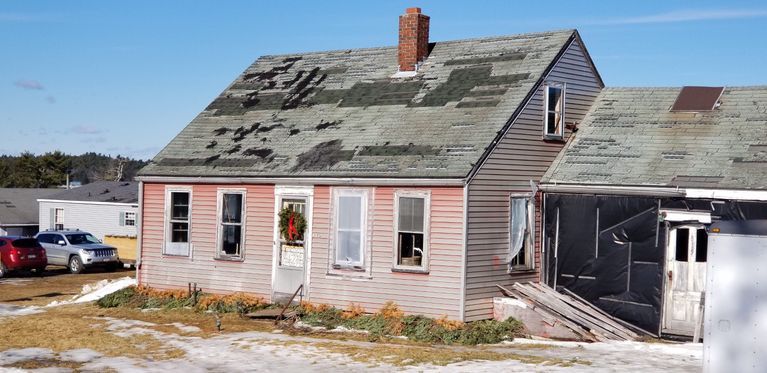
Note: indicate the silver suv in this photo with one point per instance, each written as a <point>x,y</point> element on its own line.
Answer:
<point>77,250</point>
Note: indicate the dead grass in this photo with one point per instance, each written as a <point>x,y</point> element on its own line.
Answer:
<point>402,356</point>
<point>45,363</point>
<point>56,284</point>
<point>64,328</point>
<point>80,326</point>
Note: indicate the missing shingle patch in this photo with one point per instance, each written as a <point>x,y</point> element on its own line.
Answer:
<point>491,59</point>
<point>262,153</point>
<point>325,125</point>
<point>322,156</point>
<point>398,150</point>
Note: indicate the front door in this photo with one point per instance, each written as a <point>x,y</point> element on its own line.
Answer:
<point>685,278</point>
<point>292,240</point>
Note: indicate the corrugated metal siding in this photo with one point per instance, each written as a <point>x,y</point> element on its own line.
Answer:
<point>521,156</point>
<point>436,293</point>
<point>96,218</point>
<point>252,275</point>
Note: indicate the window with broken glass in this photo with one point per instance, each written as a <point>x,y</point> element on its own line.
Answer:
<point>411,224</point>
<point>520,232</point>
<point>230,235</point>
<point>177,230</point>
<point>350,221</point>
<point>553,117</point>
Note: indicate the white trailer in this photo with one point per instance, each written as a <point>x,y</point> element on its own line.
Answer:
<point>735,317</point>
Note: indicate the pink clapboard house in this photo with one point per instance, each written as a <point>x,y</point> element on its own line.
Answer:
<point>404,173</point>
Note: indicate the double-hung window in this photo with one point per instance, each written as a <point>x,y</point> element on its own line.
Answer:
<point>230,227</point>
<point>520,234</point>
<point>554,111</point>
<point>411,230</point>
<point>58,219</point>
<point>128,218</point>
<point>350,228</point>
<point>178,221</point>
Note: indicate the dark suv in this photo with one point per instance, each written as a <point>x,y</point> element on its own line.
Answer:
<point>77,250</point>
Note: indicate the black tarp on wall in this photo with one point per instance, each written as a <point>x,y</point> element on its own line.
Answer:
<point>610,250</point>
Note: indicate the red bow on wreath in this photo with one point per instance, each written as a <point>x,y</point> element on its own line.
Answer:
<point>292,227</point>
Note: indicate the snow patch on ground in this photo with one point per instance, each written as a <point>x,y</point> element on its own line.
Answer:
<point>266,352</point>
<point>96,291</point>
<point>16,355</point>
<point>90,292</point>
<point>81,355</point>
<point>678,349</point>
<point>11,310</point>
<point>15,281</point>
<point>186,328</point>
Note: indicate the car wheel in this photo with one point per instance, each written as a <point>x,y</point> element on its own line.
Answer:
<point>3,271</point>
<point>39,271</point>
<point>75,264</point>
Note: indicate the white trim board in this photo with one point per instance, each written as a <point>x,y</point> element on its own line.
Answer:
<point>129,204</point>
<point>305,181</point>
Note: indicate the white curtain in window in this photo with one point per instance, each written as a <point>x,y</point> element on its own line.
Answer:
<point>349,245</point>
<point>518,226</point>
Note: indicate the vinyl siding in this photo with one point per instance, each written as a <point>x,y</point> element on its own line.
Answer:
<point>519,157</point>
<point>96,218</point>
<point>434,294</point>
<point>252,275</point>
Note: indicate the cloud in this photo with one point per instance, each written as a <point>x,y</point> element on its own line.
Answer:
<point>687,15</point>
<point>28,84</point>
<point>137,153</point>
<point>94,140</point>
<point>85,130</point>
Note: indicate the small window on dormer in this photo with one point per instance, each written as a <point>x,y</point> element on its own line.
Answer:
<point>554,113</point>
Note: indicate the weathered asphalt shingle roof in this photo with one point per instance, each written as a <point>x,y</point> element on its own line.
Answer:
<point>630,138</point>
<point>19,205</point>
<point>101,191</point>
<point>341,114</point>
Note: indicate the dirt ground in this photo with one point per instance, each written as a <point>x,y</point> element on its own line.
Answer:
<point>85,337</point>
<point>56,283</point>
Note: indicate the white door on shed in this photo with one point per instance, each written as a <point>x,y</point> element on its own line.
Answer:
<point>686,277</point>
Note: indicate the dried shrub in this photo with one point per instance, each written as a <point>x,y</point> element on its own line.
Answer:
<point>448,324</point>
<point>353,310</point>
<point>390,310</point>
<point>236,302</point>
<point>309,307</point>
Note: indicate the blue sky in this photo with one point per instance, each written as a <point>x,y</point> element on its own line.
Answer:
<point>123,77</point>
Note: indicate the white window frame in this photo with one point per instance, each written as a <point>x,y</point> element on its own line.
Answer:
<point>174,248</point>
<point>424,267</point>
<point>529,249</point>
<point>364,195</point>
<point>58,219</point>
<point>127,218</point>
<point>562,109</point>
<point>220,224</point>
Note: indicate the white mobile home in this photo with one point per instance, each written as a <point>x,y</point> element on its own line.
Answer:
<point>107,209</point>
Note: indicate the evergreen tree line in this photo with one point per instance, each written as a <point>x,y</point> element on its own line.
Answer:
<point>28,170</point>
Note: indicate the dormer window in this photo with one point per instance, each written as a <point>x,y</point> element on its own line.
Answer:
<point>554,113</point>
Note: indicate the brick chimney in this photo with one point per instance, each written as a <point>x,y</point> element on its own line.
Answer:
<point>413,39</point>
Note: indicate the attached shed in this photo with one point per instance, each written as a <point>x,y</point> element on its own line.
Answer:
<point>628,200</point>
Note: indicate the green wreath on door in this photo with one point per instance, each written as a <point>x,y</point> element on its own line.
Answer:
<point>292,225</point>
